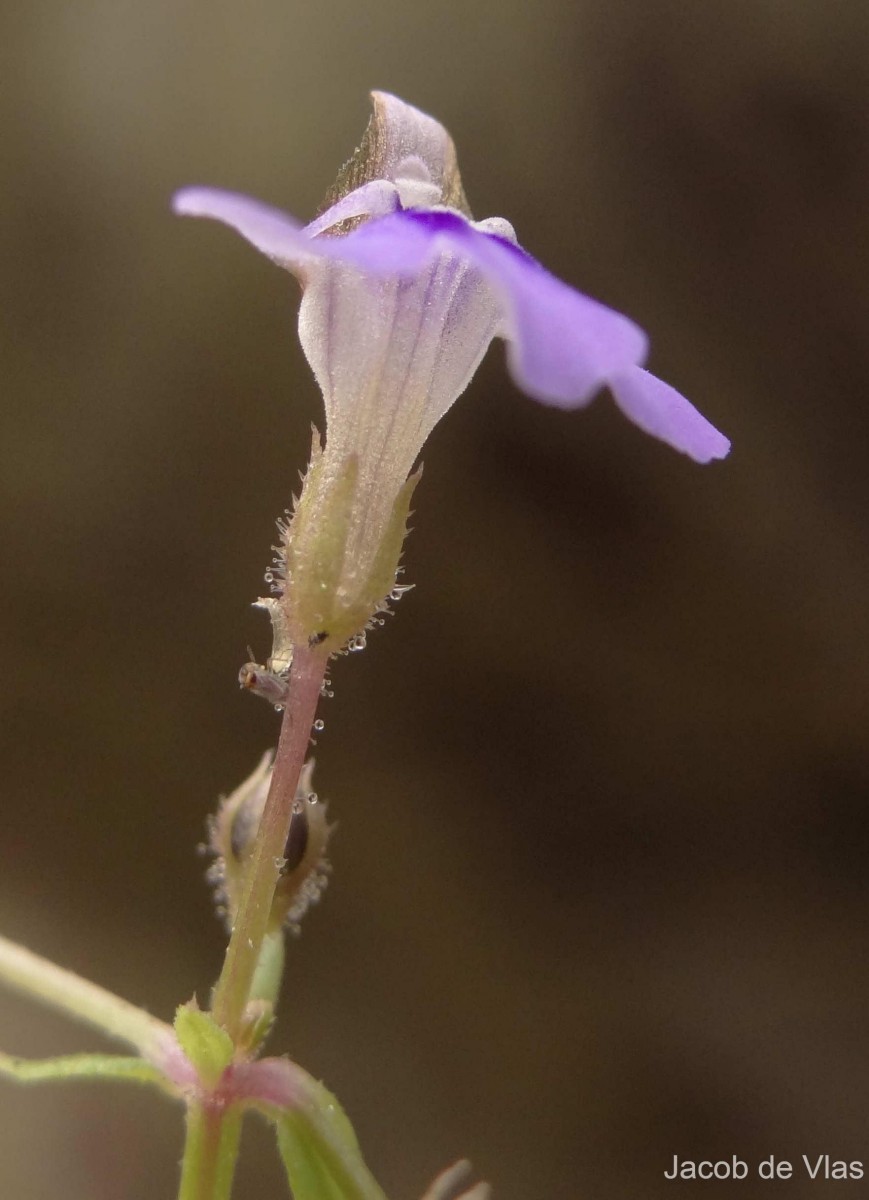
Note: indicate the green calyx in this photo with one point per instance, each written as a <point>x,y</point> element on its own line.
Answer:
<point>340,564</point>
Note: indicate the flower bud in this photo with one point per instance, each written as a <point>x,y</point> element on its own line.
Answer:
<point>232,837</point>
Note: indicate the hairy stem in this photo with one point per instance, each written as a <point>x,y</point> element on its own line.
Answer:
<point>80,1066</point>
<point>42,980</point>
<point>251,924</point>
<point>210,1152</point>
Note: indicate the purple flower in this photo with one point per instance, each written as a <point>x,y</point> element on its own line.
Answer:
<point>417,291</point>
<point>403,292</point>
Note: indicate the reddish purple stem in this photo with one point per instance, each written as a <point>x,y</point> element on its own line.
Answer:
<point>233,988</point>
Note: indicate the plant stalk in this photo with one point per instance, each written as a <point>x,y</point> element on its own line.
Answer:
<point>210,1152</point>
<point>233,988</point>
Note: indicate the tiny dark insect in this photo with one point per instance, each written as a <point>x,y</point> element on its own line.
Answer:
<point>262,682</point>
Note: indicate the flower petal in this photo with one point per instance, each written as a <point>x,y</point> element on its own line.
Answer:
<point>563,346</point>
<point>663,412</point>
<point>274,232</point>
<point>390,354</point>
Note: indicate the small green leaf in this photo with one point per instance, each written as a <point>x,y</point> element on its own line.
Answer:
<point>80,1066</point>
<point>307,1174</point>
<point>320,1151</point>
<point>325,1107</point>
<point>208,1047</point>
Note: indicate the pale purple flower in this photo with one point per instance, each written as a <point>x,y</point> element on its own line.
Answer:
<point>403,292</point>
<point>411,298</point>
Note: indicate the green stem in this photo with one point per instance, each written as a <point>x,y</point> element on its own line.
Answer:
<point>210,1152</point>
<point>42,980</point>
<point>233,988</point>
<point>80,1066</point>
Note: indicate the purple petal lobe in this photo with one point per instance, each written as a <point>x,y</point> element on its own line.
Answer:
<point>660,410</point>
<point>274,232</point>
<point>563,346</point>
<point>270,230</point>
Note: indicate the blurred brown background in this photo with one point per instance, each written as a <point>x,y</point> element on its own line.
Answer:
<point>601,887</point>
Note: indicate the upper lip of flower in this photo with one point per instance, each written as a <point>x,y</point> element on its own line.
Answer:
<point>562,345</point>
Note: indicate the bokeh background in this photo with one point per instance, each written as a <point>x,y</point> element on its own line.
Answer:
<point>600,888</point>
